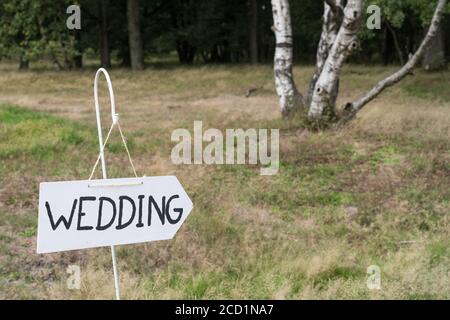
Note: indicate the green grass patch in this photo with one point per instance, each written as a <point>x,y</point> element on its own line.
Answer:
<point>439,253</point>
<point>28,233</point>
<point>425,88</point>
<point>19,221</point>
<point>386,156</point>
<point>42,136</point>
<point>321,280</point>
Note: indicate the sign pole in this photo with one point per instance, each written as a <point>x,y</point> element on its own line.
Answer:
<point>115,118</point>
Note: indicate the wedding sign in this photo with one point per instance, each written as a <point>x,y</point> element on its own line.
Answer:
<point>96,213</point>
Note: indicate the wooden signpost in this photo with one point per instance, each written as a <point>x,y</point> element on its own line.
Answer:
<point>108,212</point>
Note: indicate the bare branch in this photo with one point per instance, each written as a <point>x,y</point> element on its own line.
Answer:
<point>351,109</point>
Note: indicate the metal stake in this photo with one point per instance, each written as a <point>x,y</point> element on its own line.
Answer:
<point>115,119</point>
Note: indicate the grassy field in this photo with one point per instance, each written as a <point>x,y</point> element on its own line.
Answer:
<point>373,193</point>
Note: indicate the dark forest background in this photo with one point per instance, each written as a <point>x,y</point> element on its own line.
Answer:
<point>194,31</point>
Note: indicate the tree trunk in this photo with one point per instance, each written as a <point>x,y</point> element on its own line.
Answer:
<point>135,35</point>
<point>289,97</point>
<point>385,46</point>
<point>124,55</point>
<point>105,56</point>
<point>396,43</point>
<point>325,92</point>
<point>332,17</point>
<point>254,31</point>
<point>78,58</point>
<point>434,56</point>
<point>24,64</point>
<point>186,52</point>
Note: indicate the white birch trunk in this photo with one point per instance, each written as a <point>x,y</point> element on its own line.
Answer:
<point>352,108</point>
<point>324,95</point>
<point>330,26</point>
<point>289,97</point>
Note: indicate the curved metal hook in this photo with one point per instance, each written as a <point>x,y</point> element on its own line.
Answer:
<point>114,115</point>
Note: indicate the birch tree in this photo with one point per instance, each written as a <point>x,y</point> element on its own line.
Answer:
<point>290,98</point>
<point>342,21</point>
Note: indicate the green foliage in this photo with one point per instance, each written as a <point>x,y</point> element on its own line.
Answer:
<point>209,31</point>
<point>404,22</point>
<point>35,29</point>
<point>396,12</point>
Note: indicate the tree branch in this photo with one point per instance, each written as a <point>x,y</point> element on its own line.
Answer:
<point>351,109</point>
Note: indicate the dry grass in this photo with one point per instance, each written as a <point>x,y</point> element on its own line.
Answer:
<point>375,192</point>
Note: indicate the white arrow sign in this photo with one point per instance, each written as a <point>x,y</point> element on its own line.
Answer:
<point>96,213</point>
